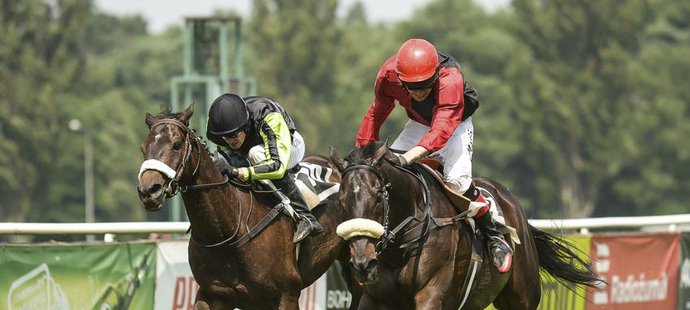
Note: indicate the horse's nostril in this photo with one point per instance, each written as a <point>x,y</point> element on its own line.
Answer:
<point>140,192</point>
<point>372,264</point>
<point>154,188</point>
<point>359,263</point>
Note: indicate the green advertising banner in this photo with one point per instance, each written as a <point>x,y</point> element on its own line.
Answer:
<point>558,296</point>
<point>77,276</point>
<point>684,277</point>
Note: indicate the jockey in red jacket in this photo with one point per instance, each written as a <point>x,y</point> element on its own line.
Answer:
<point>439,103</point>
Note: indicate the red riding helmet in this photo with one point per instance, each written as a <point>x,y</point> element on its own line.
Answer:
<point>417,61</point>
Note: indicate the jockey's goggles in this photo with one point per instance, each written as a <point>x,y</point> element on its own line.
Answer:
<point>234,134</point>
<point>428,83</point>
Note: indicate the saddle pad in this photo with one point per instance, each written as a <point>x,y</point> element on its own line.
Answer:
<point>314,183</point>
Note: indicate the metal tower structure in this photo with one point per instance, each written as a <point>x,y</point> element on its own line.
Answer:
<point>212,65</point>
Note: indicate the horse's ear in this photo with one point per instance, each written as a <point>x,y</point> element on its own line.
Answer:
<point>149,119</point>
<point>337,161</point>
<point>187,114</point>
<point>380,153</point>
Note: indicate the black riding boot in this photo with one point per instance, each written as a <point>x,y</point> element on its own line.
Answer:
<point>500,250</point>
<point>307,225</point>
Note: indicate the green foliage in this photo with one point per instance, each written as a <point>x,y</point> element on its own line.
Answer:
<point>584,104</point>
<point>294,42</point>
<point>40,49</point>
<point>576,97</point>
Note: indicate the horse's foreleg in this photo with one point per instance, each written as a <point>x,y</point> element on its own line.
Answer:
<point>428,304</point>
<point>430,297</point>
<point>368,303</point>
<point>289,301</point>
<point>201,305</point>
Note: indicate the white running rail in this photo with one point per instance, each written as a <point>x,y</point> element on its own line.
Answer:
<point>582,225</point>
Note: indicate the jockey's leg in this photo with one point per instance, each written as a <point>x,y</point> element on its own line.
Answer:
<point>307,223</point>
<point>457,171</point>
<point>500,250</point>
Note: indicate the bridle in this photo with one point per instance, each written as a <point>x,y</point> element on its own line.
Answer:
<point>415,234</point>
<point>382,197</point>
<point>173,187</point>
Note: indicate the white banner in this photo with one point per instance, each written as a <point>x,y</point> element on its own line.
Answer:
<point>175,285</point>
<point>176,288</point>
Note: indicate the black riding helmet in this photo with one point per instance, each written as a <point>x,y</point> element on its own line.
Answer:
<point>227,114</point>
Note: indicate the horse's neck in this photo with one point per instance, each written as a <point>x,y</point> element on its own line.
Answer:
<point>213,212</point>
<point>406,193</point>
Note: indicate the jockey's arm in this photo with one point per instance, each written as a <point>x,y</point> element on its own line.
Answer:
<point>277,147</point>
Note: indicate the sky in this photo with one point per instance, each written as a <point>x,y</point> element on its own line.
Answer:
<point>162,14</point>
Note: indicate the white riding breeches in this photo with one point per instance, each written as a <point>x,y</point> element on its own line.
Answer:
<point>456,155</point>
<point>257,153</point>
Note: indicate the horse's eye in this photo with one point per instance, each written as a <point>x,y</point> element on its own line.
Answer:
<point>177,146</point>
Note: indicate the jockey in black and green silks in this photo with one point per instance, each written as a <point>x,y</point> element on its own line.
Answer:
<point>259,141</point>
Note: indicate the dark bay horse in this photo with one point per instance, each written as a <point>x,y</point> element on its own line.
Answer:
<point>240,252</point>
<point>390,213</point>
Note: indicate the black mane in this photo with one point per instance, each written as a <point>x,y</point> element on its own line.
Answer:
<point>166,113</point>
<point>363,154</point>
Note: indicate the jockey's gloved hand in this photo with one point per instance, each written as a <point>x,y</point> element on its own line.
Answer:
<point>232,173</point>
<point>412,156</point>
<point>224,167</point>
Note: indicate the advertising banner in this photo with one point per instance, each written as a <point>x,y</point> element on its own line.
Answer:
<point>77,276</point>
<point>558,296</point>
<point>176,288</point>
<point>684,276</point>
<point>641,271</point>
<point>337,295</point>
<point>175,285</point>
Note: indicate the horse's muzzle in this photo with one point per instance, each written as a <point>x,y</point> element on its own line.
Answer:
<point>363,259</point>
<point>151,198</point>
<point>151,193</point>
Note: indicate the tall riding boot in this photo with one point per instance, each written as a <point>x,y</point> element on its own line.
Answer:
<point>307,225</point>
<point>500,249</point>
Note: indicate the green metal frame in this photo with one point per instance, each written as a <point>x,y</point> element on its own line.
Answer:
<point>214,85</point>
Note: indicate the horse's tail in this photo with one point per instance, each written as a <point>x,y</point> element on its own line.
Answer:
<point>557,256</point>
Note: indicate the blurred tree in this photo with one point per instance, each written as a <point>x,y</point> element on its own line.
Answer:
<point>113,96</point>
<point>63,61</point>
<point>575,97</point>
<point>294,42</point>
<point>41,54</point>
<point>359,57</point>
<point>653,182</point>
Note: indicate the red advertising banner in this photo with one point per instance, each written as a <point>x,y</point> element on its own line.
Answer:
<point>641,271</point>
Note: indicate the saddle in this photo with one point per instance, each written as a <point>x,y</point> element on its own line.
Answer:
<point>462,203</point>
<point>434,167</point>
<point>312,180</point>
<point>314,183</point>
